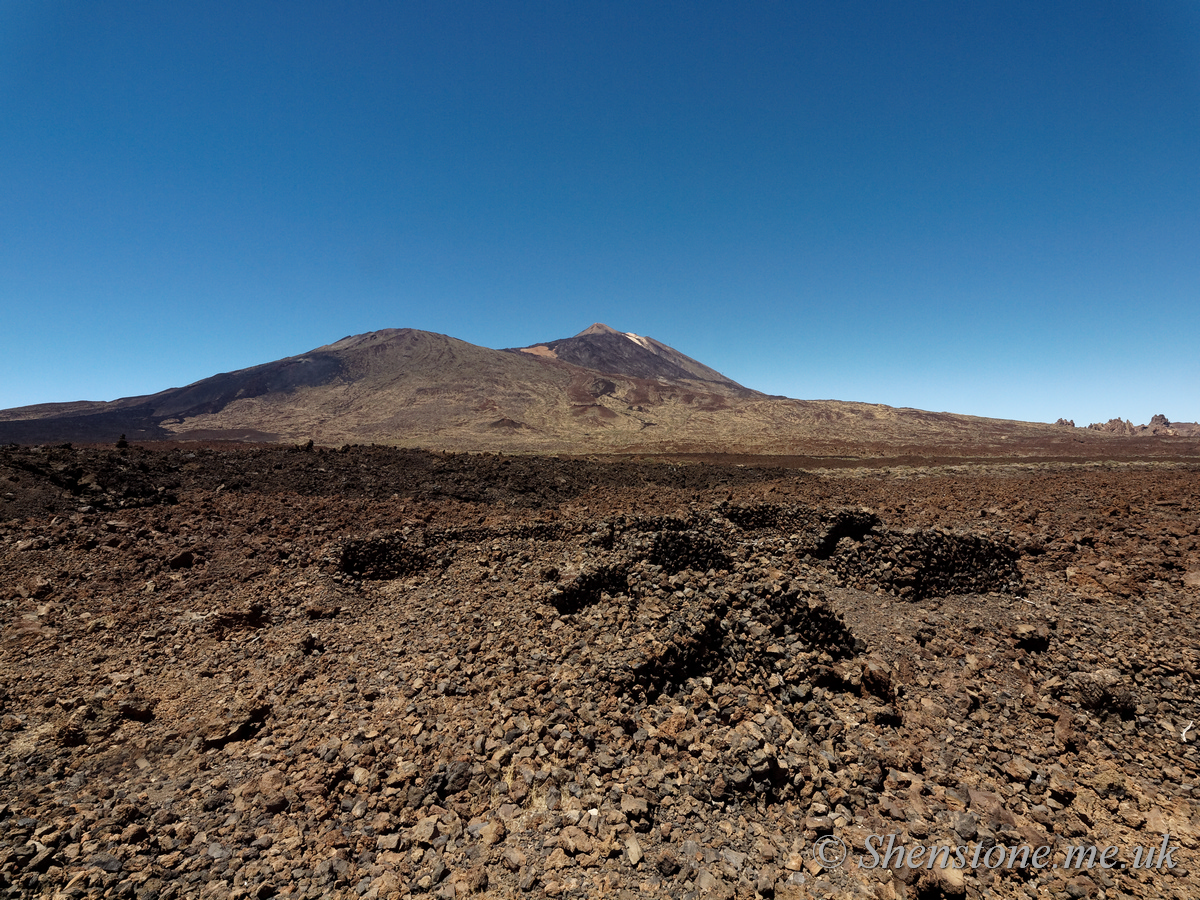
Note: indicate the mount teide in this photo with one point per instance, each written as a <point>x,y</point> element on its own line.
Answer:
<point>600,391</point>
<point>605,349</point>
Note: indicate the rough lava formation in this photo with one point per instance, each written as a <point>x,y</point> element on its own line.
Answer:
<point>373,673</point>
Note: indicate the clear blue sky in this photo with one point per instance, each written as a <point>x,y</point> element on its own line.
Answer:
<point>988,208</point>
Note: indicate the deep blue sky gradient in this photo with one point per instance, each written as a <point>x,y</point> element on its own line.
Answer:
<point>987,208</point>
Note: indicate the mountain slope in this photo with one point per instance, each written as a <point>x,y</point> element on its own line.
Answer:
<point>394,385</point>
<point>601,391</point>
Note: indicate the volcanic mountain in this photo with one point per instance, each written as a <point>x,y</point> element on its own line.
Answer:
<point>601,391</point>
<point>623,353</point>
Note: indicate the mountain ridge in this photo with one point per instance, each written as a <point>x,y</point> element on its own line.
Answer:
<point>600,391</point>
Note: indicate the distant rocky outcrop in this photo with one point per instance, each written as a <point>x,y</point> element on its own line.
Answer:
<point>1114,426</point>
<point>1159,425</point>
<point>1067,423</point>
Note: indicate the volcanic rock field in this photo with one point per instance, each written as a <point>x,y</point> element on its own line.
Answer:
<point>376,673</point>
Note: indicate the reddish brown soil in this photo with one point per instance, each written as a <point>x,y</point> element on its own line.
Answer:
<point>265,671</point>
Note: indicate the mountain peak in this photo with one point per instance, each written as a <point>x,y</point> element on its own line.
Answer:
<point>598,328</point>
<point>604,349</point>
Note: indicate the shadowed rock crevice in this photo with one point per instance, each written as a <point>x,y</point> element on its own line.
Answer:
<point>679,550</point>
<point>843,524</point>
<point>686,654</point>
<point>382,558</point>
<point>756,516</point>
<point>816,531</point>
<point>919,564</point>
<point>819,626</point>
<point>239,723</point>
<point>710,637</point>
<point>588,588</point>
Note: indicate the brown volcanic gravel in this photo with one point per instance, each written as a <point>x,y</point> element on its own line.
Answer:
<point>375,673</point>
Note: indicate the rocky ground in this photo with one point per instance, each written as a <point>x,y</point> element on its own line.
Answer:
<point>274,672</point>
